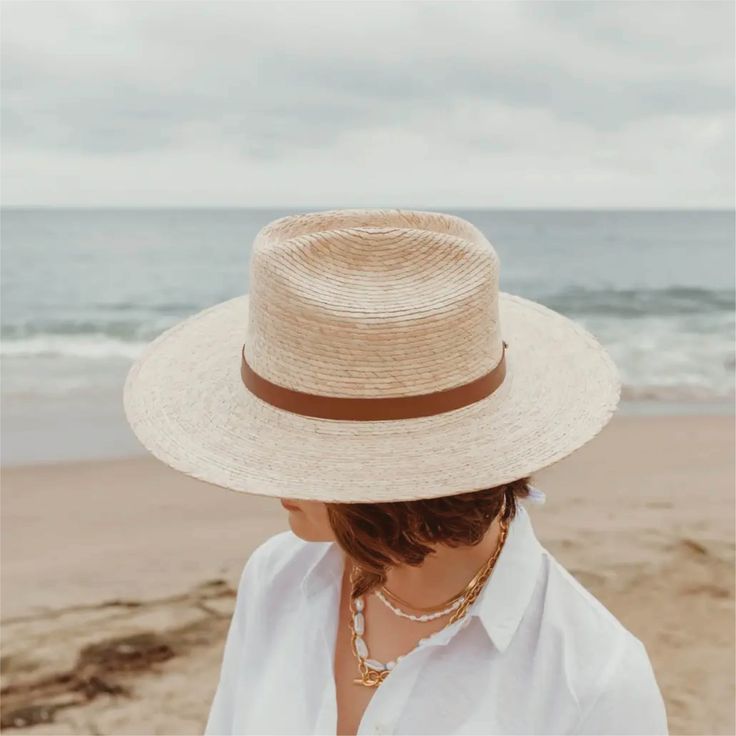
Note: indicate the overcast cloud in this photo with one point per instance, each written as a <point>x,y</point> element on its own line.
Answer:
<point>443,104</point>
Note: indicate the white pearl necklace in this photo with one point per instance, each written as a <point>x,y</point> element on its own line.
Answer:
<point>360,645</point>
<point>423,617</point>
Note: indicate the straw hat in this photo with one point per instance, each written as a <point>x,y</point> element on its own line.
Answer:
<point>374,359</point>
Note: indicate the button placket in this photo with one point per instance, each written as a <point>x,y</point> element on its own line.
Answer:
<point>327,599</point>
<point>391,697</point>
<point>383,712</point>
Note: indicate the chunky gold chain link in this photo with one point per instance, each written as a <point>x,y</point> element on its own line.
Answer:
<point>475,592</point>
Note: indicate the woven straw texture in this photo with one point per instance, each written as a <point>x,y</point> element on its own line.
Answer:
<point>370,303</point>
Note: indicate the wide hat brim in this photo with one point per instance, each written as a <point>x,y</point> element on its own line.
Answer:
<point>186,402</point>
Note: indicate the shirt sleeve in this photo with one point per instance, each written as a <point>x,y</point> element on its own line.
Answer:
<point>629,700</point>
<point>222,710</point>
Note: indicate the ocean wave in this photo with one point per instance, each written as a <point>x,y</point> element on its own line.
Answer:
<point>90,346</point>
<point>167,308</point>
<point>670,301</point>
<point>131,321</point>
<point>133,329</point>
<point>681,394</point>
<point>652,367</point>
<point>674,343</point>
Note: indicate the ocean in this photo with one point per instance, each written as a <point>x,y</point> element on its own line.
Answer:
<point>83,291</point>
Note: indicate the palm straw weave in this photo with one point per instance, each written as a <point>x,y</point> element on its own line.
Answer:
<point>370,303</point>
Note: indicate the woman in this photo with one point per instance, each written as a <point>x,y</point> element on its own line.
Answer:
<point>378,382</point>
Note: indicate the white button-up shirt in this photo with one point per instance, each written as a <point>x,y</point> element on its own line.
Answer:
<point>536,654</point>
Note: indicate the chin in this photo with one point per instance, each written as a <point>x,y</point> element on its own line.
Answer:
<point>306,530</point>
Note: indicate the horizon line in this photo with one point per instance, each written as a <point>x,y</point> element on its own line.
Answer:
<point>321,208</point>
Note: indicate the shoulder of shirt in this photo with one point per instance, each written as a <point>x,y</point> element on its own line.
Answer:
<point>577,601</point>
<point>598,648</point>
<point>282,555</point>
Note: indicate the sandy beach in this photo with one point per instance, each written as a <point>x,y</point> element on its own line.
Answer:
<point>397,187</point>
<point>118,576</point>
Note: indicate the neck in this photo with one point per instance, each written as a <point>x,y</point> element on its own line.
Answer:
<point>444,572</point>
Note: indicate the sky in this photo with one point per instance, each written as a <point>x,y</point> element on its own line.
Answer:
<point>358,104</point>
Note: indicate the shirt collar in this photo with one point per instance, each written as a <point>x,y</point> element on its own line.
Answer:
<point>325,569</point>
<point>504,598</point>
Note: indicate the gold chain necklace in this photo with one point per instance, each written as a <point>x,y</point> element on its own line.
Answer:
<point>373,672</point>
<point>435,609</point>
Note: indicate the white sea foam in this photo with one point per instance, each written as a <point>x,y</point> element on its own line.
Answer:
<point>90,346</point>
<point>77,323</point>
<point>659,358</point>
<point>669,358</point>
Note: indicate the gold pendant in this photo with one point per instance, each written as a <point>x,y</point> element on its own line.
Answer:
<point>358,681</point>
<point>370,679</point>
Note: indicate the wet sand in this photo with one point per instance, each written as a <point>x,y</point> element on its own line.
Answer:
<point>118,576</point>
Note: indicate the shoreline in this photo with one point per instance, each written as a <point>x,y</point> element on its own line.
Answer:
<point>77,503</point>
<point>105,556</point>
<point>40,437</point>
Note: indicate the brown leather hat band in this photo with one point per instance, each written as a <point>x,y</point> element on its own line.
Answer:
<point>372,409</point>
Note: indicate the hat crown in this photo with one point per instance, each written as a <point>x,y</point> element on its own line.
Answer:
<point>379,303</point>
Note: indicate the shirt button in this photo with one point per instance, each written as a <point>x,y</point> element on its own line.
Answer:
<point>381,728</point>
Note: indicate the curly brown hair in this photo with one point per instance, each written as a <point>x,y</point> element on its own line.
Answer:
<point>377,536</point>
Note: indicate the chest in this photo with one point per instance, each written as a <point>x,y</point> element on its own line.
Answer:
<point>293,673</point>
<point>352,698</point>
<point>388,638</point>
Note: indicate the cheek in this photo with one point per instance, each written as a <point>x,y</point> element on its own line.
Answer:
<point>311,524</point>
